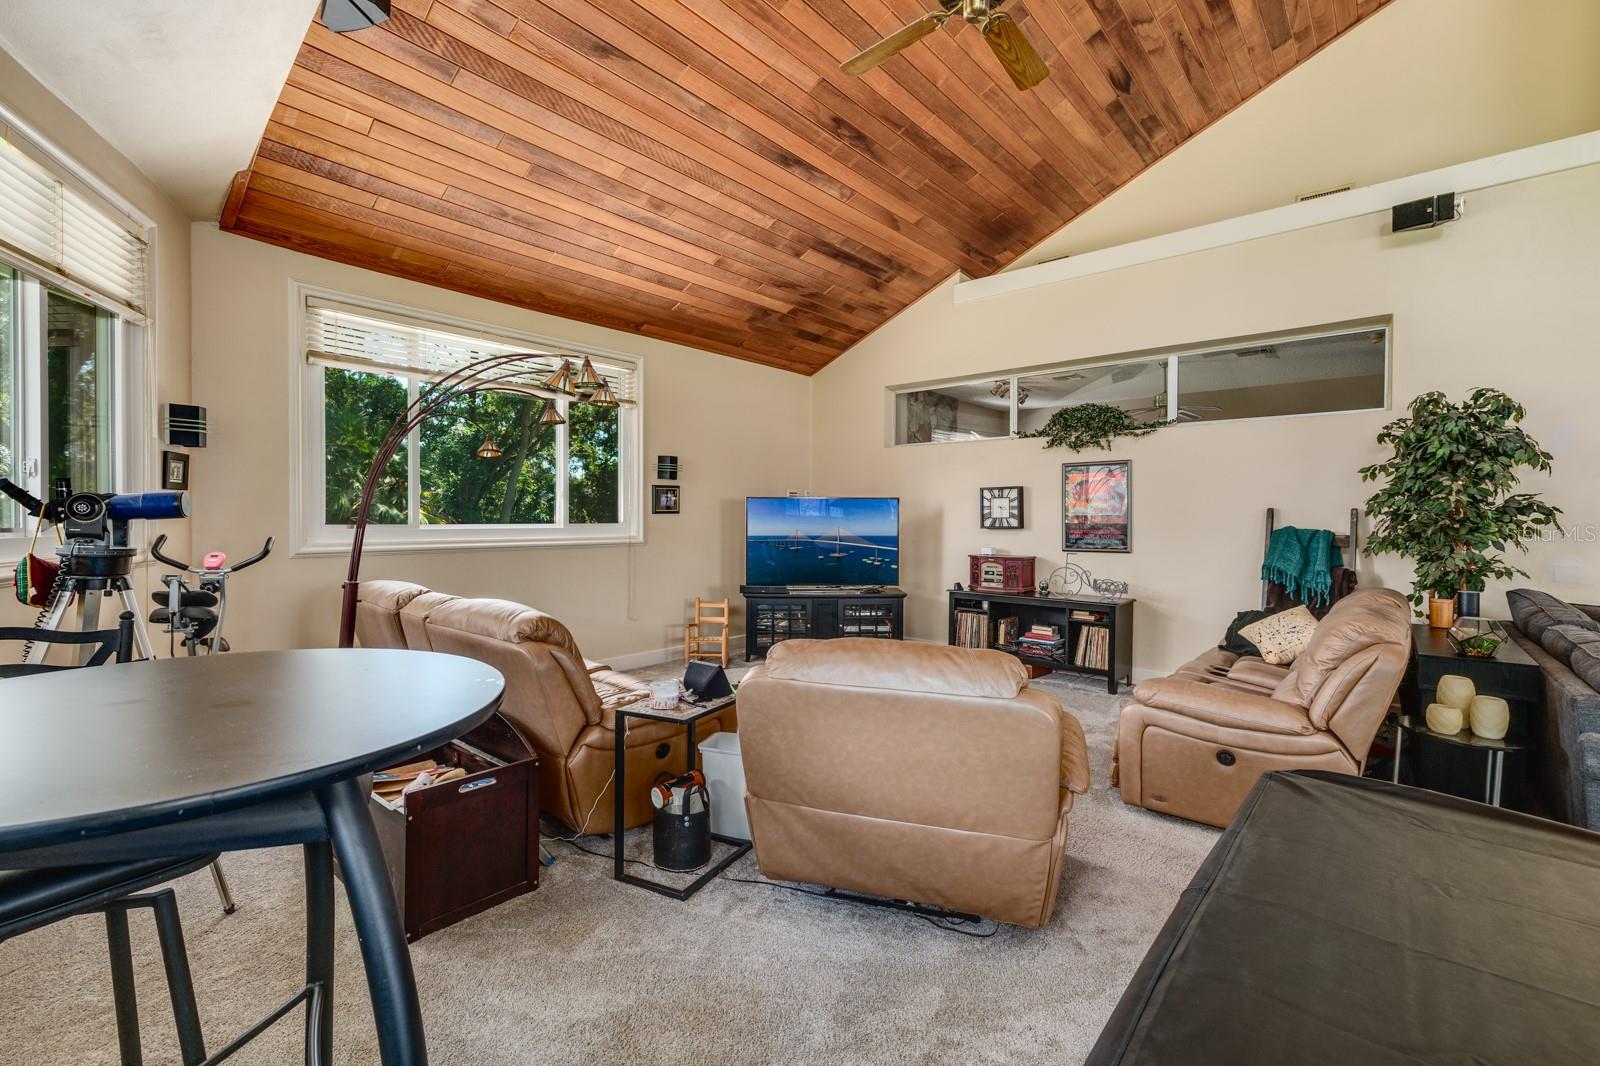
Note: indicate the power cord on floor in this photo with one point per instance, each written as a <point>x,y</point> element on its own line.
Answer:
<point>942,924</point>
<point>572,842</point>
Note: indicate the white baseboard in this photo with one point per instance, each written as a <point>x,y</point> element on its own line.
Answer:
<point>655,656</point>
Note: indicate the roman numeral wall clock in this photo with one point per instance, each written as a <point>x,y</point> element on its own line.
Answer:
<point>1000,508</point>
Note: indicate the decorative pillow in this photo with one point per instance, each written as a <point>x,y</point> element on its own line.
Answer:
<point>1283,636</point>
<point>1237,644</point>
<point>1585,662</point>
<point>1534,612</point>
<point>1560,640</point>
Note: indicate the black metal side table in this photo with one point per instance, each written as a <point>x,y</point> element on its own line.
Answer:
<point>1511,674</point>
<point>1495,768</point>
<point>689,716</point>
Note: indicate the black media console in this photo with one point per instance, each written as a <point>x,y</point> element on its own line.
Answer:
<point>772,615</point>
<point>1098,633</point>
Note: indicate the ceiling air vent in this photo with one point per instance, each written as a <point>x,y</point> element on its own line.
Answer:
<point>1324,192</point>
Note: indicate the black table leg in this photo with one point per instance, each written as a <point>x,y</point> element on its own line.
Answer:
<point>319,954</point>
<point>390,979</point>
<point>621,736</point>
<point>123,995</point>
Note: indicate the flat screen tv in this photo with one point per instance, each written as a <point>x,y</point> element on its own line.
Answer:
<point>822,540</point>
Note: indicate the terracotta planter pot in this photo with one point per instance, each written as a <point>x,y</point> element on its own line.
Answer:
<point>1441,611</point>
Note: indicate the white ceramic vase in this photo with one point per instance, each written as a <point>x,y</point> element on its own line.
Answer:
<point>1490,717</point>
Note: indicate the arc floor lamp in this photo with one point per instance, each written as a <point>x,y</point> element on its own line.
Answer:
<point>523,372</point>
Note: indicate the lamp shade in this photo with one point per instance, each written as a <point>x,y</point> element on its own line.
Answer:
<point>550,416</point>
<point>604,397</point>
<point>561,380</point>
<point>489,449</point>
<point>588,379</point>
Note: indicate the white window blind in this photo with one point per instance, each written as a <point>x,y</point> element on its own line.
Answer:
<point>53,226</point>
<point>360,338</point>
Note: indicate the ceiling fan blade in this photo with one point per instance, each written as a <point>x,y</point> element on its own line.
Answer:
<point>1014,51</point>
<point>904,37</point>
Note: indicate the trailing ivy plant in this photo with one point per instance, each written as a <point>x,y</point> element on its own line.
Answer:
<point>1449,502</point>
<point>1091,425</point>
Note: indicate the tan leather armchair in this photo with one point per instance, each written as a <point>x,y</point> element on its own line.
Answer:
<point>561,702</point>
<point>1193,744</point>
<point>910,771</point>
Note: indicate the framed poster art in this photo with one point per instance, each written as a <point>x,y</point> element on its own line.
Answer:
<point>1097,506</point>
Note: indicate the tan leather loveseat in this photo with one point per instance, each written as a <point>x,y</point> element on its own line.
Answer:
<point>1193,744</point>
<point>910,771</point>
<point>561,702</point>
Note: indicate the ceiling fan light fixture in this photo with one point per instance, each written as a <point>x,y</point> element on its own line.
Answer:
<point>345,16</point>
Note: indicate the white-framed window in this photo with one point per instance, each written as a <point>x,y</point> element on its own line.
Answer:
<point>73,266</point>
<point>488,470</point>
<point>1325,370</point>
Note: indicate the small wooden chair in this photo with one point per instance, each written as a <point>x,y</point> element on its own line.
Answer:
<point>695,638</point>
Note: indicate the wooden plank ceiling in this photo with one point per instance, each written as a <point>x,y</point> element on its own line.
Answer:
<point>700,170</point>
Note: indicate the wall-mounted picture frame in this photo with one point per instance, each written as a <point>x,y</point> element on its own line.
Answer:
<point>663,499</point>
<point>1000,507</point>
<point>174,470</point>
<point>1097,506</point>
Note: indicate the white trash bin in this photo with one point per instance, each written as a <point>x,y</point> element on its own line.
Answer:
<point>723,764</point>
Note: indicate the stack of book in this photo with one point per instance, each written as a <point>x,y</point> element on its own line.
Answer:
<point>1094,648</point>
<point>1043,641</point>
<point>972,629</point>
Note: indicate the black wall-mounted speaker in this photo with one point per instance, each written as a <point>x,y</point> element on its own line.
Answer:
<point>184,425</point>
<point>1426,212</point>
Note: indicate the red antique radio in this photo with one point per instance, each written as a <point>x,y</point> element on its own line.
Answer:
<point>1000,573</point>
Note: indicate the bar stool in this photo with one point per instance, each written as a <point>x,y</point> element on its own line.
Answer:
<point>31,899</point>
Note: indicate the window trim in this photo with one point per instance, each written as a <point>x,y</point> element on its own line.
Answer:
<point>129,344</point>
<point>1173,355</point>
<point>309,536</point>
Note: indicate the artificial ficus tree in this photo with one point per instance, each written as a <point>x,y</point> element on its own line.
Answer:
<point>1450,502</point>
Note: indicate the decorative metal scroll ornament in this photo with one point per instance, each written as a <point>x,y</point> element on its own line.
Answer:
<point>1073,580</point>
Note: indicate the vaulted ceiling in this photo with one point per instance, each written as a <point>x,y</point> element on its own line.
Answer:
<point>700,170</point>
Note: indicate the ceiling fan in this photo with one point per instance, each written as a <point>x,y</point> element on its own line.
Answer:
<point>1005,38</point>
<point>1186,413</point>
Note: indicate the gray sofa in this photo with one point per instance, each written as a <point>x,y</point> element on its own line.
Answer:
<point>1564,639</point>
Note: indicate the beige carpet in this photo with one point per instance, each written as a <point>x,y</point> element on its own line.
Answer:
<point>586,970</point>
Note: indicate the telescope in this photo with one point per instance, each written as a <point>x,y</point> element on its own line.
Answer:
<point>95,524</point>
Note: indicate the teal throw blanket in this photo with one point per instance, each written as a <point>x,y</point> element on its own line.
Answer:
<point>1302,561</point>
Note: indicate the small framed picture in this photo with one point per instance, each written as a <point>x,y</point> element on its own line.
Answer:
<point>1000,508</point>
<point>663,499</point>
<point>1097,507</point>
<point>174,470</point>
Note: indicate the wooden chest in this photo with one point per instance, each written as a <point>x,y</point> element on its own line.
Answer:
<point>462,846</point>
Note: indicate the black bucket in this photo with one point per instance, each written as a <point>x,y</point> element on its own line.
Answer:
<point>682,841</point>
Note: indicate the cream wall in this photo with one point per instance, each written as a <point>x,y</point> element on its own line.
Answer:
<point>738,429</point>
<point>1420,85</point>
<point>1505,298</point>
<point>168,366</point>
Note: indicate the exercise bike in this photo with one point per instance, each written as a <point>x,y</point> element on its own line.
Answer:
<point>197,611</point>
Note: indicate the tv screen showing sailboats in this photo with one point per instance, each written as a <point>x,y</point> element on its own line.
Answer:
<point>822,540</point>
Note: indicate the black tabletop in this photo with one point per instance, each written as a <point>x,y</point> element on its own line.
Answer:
<point>113,748</point>
<point>1433,642</point>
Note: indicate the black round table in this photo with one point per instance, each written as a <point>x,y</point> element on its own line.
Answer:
<point>231,752</point>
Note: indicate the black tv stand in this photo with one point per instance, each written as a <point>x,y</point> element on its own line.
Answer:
<point>775,613</point>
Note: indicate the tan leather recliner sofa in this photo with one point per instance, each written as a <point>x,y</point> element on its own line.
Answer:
<point>1193,744</point>
<point>559,701</point>
<point>910,771</point>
